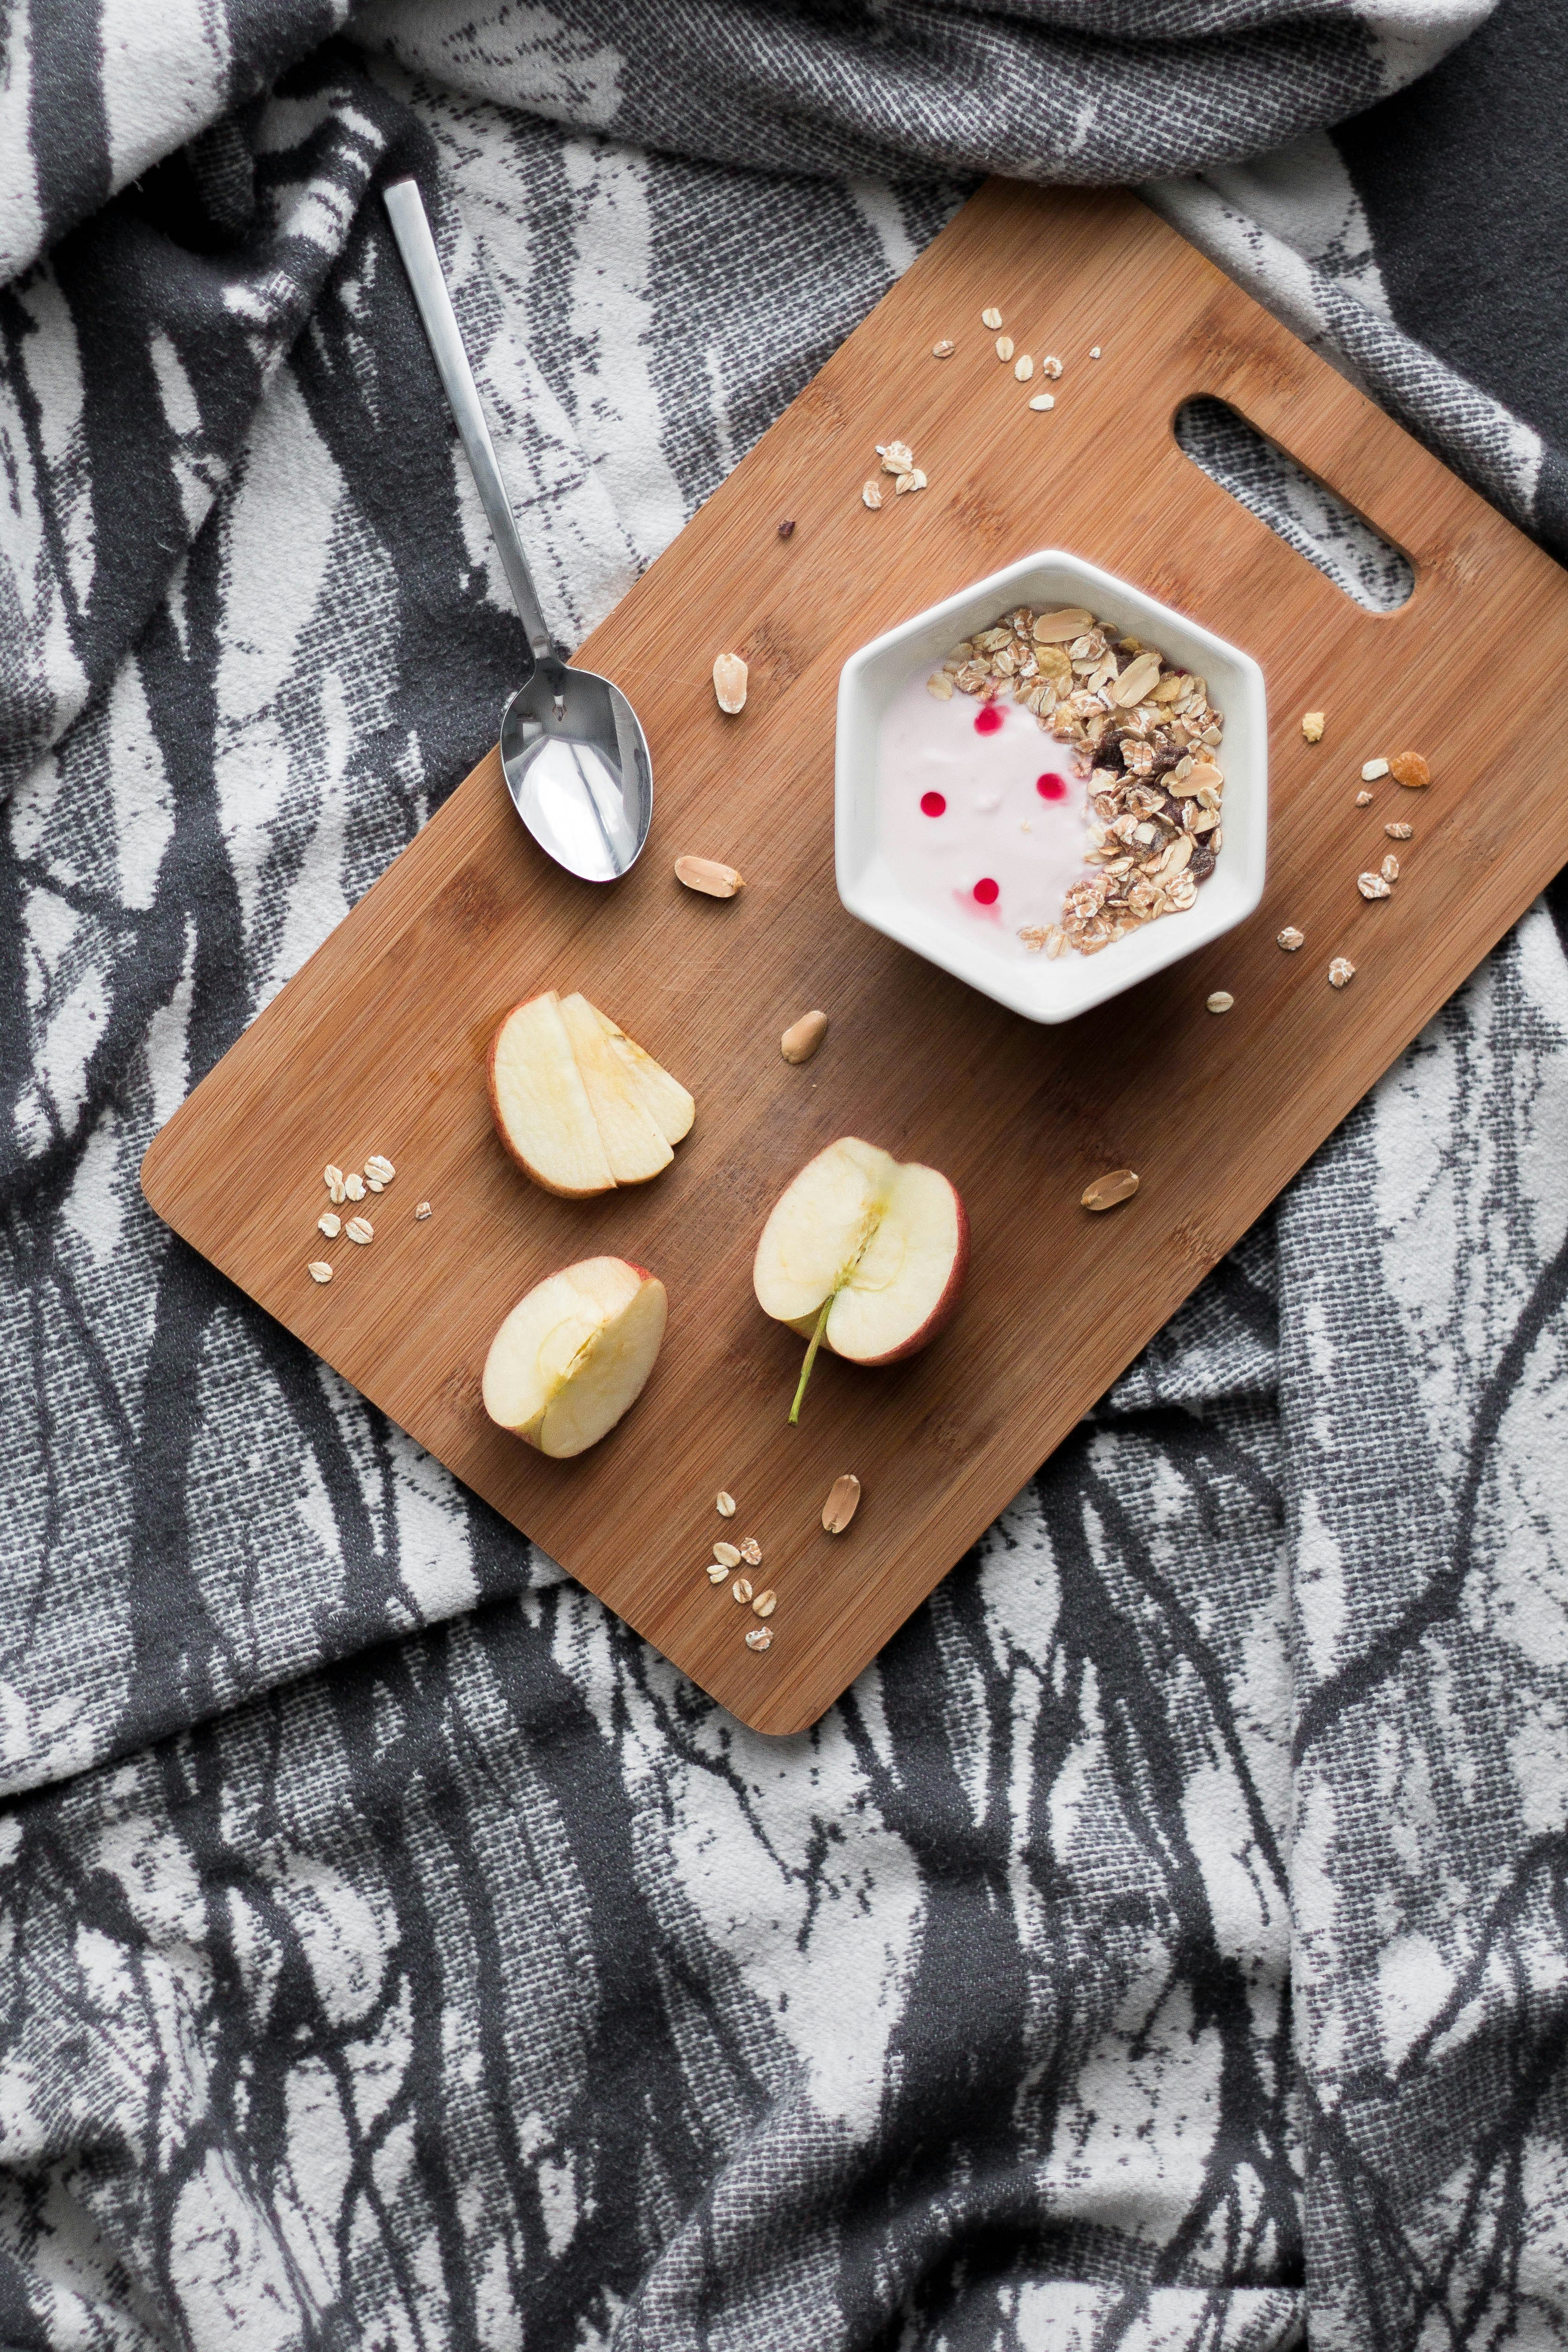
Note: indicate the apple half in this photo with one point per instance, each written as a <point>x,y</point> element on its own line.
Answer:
<point>578,1107</point>
<point>574,1353</point>
<point>864,1255</point>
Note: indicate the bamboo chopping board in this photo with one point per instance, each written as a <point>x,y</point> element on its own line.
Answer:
<point>380,1043</point>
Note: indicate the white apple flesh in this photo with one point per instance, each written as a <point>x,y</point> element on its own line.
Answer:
<point>634,1143</point>
<point>864,1254</point>
<point>574,1354</point>
<point>577,1103</point>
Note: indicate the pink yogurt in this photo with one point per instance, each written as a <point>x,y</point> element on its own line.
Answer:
<point>979,815</point>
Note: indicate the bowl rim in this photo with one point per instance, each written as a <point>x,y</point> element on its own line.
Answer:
<point>1018,986</point>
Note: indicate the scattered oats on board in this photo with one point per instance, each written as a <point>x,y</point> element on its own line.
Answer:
<point>333,1179</point>
<point>1004,347</point>
<point>730,676</point>
<point>943,350</point>
<point>1312,725</point>
<point>1409,769</point>
<point>354,1188</point>
<point>359,1230</point>
<point>990,317</point>
<point>1024,367</point>
<point>752,1552</point>
<point>1389,869</point>
<point>1399,831</point>
<point>1042,400</point>
<point>843,1502</point>
<point>897,457</point>
<point>373,1184</point>
<point>1342,972</point>
<point>318,1270</point>
<point>379,1166</point>
<point>422,1212</point>
<point>1371,770</point>
<point>764,1604</point>
<point>726,1555</point>
<point>1221,1000</point>
<point>1364,800</point>
<point>1050,365</point>
<point>1290,938</point>
<point>870,495</point>
<point>742,1588</point>
<point>1094,350</point>
<point>1110,1191</point>
<point>1372,886</point>
<point>717,1571</point>
<point>760,1637</point>
<point>330,1224</point>
<point>913,480</point>
<point>724,1504</point>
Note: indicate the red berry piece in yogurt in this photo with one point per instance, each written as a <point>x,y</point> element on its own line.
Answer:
<point>986,892</point>
<point>932,804</point>
<point>1051,787</point>
<point>987,719</point>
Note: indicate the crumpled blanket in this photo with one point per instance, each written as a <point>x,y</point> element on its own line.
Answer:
<point>1163,1943</point>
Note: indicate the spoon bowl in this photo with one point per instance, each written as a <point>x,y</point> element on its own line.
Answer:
<point>577,764</point>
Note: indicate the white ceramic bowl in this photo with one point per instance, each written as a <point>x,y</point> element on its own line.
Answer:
<point>1040,988</point>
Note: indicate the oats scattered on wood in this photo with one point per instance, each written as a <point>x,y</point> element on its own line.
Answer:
<point>1364,800</point>
<point>354,1188</point>
<point>940,684</point>
<point>1389,869</point>
<point>843,1502</point>
<point>724,1504</point>
<point>730,683</point>
<point>752,1551</point>
<point>991,316</point>
<point>870,495</point>
<point>373,1184</point>
<point>913,480</point>
<point>333,1179</point>
<point>1342,972</point>
<point>1220,1000</point>
<point>318,1270</point>
<point>1108,1191</point>
<point>1094,350</point>
<point>765,1604</point>
<point>379,1166</point>
<point>1290,938</point>
<point>1022,367</point>
<point>760,1637</point>
<point>330,1224</point>
<point>897,457</point>
<point>1004,347</point>
<point>786,527</point>
<point>726,1555</point>
<point>942,351</point>
<point>1042,400</point>
<point>1312,725</point>
<point>802,1038</point>
<point>422,1212</point>
<point>742,1588</point>
<point>1409,769</point>
<point>1399,831</point>
<point>707,876</point>
<point>1371,770</point>
<point>1050,365</point>
<point>716,1574</point>
<point>360,1230</point>
<point>1372,886</point>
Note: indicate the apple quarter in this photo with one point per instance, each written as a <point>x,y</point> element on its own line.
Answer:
<point>887,718</point>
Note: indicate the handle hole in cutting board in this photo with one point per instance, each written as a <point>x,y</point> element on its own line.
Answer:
<point>1300,510</point>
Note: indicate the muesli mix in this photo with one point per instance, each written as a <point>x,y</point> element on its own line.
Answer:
<point>1147,738</point>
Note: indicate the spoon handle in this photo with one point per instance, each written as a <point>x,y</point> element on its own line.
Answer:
<point>411,228</point>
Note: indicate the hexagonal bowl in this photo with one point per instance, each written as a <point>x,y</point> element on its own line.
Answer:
<point>1040,988</point>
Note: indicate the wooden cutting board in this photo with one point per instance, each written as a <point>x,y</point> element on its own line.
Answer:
<point>380,1043</point>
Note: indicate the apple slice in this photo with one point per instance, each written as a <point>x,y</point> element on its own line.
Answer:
<point>865,1254</point>
<point>574,1353</point>
<point>540,1103</point>
<point>672,1108</point>
<point>634,1142</point>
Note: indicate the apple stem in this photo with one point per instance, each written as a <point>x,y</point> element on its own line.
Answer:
<point>810,1359</point>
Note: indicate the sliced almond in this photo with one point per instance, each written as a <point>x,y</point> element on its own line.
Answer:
<point>1135,680</point>
<point>726,1555</point>
<point>1110,1191</point>
<point>706,874</point>
<point>764,1604</point>
<point>359,1230</point>
<point>1409,769</point>
<point>318,1270</point>
<point>724,1505</point>
<point>730,675</point>
<point>843,1502</point>
<point>1060,628</point>
<point>802,1038</point>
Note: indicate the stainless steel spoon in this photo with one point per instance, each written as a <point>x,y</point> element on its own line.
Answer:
<point>575,759</point>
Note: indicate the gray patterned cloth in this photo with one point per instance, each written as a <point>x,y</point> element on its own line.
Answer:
<point>1163,1944</point>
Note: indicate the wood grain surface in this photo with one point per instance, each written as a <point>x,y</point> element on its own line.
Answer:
<point>380,1043</point>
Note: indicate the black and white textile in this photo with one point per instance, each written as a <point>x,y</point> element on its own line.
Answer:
<point>1164,1943</point>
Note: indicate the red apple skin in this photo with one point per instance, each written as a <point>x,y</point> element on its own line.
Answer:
<point>941,1314</point>
<point>543,1182</point>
